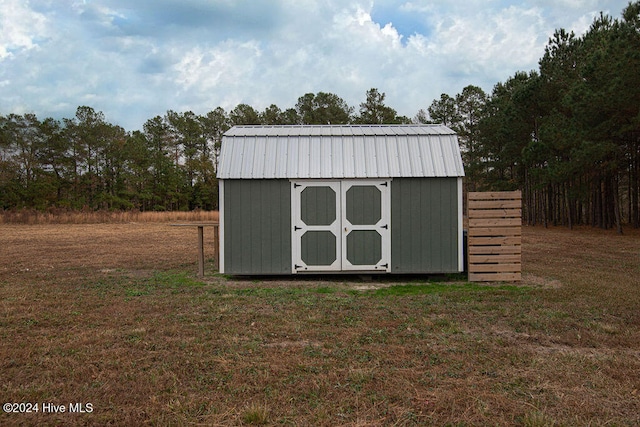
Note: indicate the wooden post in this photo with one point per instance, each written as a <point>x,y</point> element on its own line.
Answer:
<point>216,248</point>
<point>200,250</point>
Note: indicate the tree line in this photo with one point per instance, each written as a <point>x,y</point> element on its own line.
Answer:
<point>85,162</point>
<point>567,135</point>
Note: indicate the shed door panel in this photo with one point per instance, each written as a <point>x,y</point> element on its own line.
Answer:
<point>341,225</point>
<point>316,242</point>
<point>366,225</point>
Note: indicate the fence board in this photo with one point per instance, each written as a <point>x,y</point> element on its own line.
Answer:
<point>495,236</point>
<point>495,250</point>
<point>494,258</point>
<point>495,277</point>
<point>495,231</point>
<point>498,268</point>
<point>496,241</point>
<point>491,213</point>
<point>495,222</point>
<point>495,204</point>
<point>492,195</point>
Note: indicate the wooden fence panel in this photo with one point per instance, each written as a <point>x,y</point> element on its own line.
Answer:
<point>495,236</point>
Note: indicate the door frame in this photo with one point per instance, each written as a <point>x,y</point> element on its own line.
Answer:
<point>340,186</point>
<point>299,228</point>
<point>382,227</point>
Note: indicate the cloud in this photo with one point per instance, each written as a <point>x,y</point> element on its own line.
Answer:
<point>21,27</point>
<point>490,41</point>
<point>137,59</point>
<point>408,19</point>
<point>225,64</point>
<point>178,20</point>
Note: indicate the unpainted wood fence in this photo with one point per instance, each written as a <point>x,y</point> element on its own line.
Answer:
<point>494,236</point>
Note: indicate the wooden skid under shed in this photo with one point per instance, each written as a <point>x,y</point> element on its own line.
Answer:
<point>495,236</point>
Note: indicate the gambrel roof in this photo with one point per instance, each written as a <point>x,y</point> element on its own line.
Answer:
<point>339,151</point>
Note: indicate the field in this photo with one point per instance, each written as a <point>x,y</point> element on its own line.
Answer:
<point>112,315</point>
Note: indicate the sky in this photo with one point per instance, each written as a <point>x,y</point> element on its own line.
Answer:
<point>137,59</point>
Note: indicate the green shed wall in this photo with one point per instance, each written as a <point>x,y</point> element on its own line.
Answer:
<point>424,225</point>
<point>257,226</point>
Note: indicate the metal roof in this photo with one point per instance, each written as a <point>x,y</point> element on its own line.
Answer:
<point>339,151</point>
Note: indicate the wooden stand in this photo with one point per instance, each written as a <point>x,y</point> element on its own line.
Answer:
<point>216,243</point>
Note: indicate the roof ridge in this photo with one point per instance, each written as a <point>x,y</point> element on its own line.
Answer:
<point>343,125</point>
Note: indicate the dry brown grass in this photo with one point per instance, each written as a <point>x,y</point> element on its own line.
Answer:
<point>62,216</point>
<point>112,314</point>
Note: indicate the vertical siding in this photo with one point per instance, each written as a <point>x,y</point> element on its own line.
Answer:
<point>424,225</point>
<point>257,226</point>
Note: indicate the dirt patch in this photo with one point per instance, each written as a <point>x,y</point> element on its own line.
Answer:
<point>302,343</point>
<point>533,280</point>
<point>370,286</point>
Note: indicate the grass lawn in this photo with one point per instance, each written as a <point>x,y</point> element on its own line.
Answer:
<point>112,315</point>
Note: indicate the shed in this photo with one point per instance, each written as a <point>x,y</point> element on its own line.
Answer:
<point>348,198</point>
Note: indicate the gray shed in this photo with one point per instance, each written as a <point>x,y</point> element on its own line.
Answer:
<point>352,198</point>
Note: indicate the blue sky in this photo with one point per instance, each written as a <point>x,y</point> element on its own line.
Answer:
<point>134,60</point>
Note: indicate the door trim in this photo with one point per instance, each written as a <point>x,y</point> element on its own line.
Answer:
<point>298,228</point>
<point>382,227</point>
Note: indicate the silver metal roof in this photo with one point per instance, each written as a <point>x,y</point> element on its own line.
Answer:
<point>339,151</point>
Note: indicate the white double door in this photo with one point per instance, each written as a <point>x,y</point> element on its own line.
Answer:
<point>341,225</point>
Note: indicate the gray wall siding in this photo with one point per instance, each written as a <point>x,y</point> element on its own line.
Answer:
<point>424,225</point>
<point>257,226</point>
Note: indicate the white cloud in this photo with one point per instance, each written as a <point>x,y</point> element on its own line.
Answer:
<point>223,65</point>
<point>491,41</point>
<point>357,28</point>
<point>582,24</point>
<point>20,27</point>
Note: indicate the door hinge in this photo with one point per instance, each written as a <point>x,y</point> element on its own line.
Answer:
<point>296,228</point>
<point>385,184</point>
<point>386,226</point>
<point>296,185</point>
<point>297,267</point>
<point>385,266</point>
